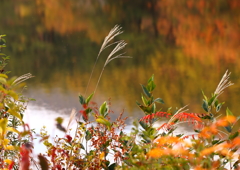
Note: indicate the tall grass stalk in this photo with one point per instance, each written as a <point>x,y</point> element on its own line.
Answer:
<point>115,31</point>
<point>22,79</point>
<point>223,84</point>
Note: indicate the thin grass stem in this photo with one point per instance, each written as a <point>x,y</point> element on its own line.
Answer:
<point>111,35</point>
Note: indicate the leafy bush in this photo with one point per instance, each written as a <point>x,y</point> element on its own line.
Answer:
<point>12,107</point>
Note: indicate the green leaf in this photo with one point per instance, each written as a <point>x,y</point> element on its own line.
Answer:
<point>205,97</point>
<point>88,135</point>
<point>219,107</point>
<point>112,166</point>
<point>81,100</point>
<point>88,110</point>
<point>151,86</point>
<point>89,98</point>
<point>104,122</point>
<point>145,101</point>
<point>216,142</point>
<point>103,109</point>
<point>139,104</point>
<point>145,109</point>
<point>6,58</point>
<point>211,100</point>
<point>228,128</point>
<point>81,146</point>
<point>154,108</point>
<point>143,124</point>
<point>236,164</point>
<point>229,113</point>
<point>232,136</point>
<point>159,100</point>
<point>151,79</point>
<point>205,105</point>
<point>146,92</point>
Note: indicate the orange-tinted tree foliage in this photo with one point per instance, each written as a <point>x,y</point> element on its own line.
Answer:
<point>203,28</point>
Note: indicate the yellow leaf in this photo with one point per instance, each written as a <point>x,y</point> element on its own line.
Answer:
<point>102,155</point>
<point>14,113</point>
<point>6,141</point>
<point>3,126</point>
<point>12,130</point>
<point>3,80</point>
<point>9,147</point>
<point>13,94</point>
<point>4,76</point>
<point>8,161</point>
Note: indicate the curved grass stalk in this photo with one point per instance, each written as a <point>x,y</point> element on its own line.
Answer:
<point>223,84</point>
<point>115,31</point>
<point>22,78</point>
<point>183,109</point>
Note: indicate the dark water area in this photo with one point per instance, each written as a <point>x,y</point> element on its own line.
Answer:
<point>187,45</point>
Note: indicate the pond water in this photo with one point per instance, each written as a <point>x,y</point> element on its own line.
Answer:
<point>58,42</point>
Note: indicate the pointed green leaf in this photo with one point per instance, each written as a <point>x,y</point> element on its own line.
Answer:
<point>103,121</point>
<point>81,146</point>
<point>205,105</point>
<point>229,113</point>
<point>145,101</point>
<point>232,136</point>
<point>154,108</point>
<point>151,78</point>
<point>89,98</point>
<point>88,110</point>
<point>112,166</point>
<point>88,135</point>
<point>228,128</point>
<point>103,109</point>
<point>151,86</point>
<point>211,100</point>
<point>143,124</point>
<point>81,100</point>
<point>159,100</point>
<point>219,107</point>
<point>146,92</point>
<point>138,103</point>
<point>205,97</point>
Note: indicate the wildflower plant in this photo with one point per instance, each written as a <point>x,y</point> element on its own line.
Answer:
<point>211,147</point>
<point>12,106</point>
